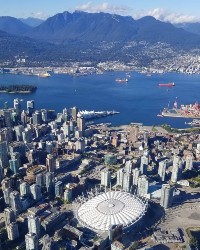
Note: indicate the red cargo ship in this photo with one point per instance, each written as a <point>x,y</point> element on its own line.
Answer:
<point>171,84</point>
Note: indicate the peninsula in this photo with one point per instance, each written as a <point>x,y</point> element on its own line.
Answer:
<point>18,88</point>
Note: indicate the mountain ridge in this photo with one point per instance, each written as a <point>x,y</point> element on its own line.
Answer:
<point>83,27</point>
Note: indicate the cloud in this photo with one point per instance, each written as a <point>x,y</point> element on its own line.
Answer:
<point>159,13</point>
<point>168,16</point>
<point>40,15</point>
<point>104,7</point>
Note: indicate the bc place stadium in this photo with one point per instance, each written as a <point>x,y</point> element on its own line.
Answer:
<point>99,212</point>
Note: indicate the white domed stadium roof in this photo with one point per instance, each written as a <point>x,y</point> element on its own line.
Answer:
<point>111,208</point>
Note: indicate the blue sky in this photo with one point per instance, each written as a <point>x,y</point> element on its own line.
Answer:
<point>166,10</point>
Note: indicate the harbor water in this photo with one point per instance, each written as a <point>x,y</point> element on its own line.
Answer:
<point>138,100</point>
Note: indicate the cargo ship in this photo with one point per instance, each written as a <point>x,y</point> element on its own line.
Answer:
<point>170,84</point>
<point>121,80</point>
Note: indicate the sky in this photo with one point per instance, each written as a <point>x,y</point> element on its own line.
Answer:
<point>174,11</point>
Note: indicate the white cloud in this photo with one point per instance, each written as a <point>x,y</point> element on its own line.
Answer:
<point>167,16</point>
<point>104,7</point>
<point>40,15</point>
<point>159,13</point>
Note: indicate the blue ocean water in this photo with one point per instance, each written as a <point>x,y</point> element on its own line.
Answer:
<point>139,100</point>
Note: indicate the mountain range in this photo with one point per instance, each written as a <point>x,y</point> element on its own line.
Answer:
<point>65,31</point>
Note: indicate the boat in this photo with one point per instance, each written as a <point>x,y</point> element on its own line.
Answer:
<point>160,115</point>
<point>170,84</point>
<point>44,75</point>
<point>121,80</point>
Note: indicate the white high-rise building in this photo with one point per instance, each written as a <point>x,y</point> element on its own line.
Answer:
<point>12,231</point>
<point>31,241</point>
<point>105,177</point>
<point>143,185</point>
<point>33,224</point>
<point>136,174</point>
<point>9,216</point>
<point>127,182</point>
<point>36,192</point>
<point>128,167</point>
<point>189,162</point>
<point>166,196</point>
<point>176,169</point>
<point>24,189</point>
<point>120,177</point>
<point>15,202</point>
<point>162,170</point>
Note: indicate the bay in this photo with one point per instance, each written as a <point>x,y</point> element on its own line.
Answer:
<point>139,100</point>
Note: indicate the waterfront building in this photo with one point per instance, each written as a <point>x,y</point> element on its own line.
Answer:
<point>166,196</point>
<point>136,174</point>
<point>105,177</point>
<point>143,185</point>
<point>36,192</point>
<point>162,170</point>
<point>144,164</point>
<point>50,163</point>
<point>15,202</point>
<point>33,224</point>
<point>17,106</point>
<point>31,241</point>
<point>133,134</point>
<point>30,107</point>
<point>23,118</point>
<point>189,162</point>
<point>44,115</point>
<point>58,189</point>
<point>12,231</point>
<point>9,216</point>
<point>120,177</point>
<point>127,182</point>
<point>24,189</point>
<point>74,112</point>
<point>3,154</point>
